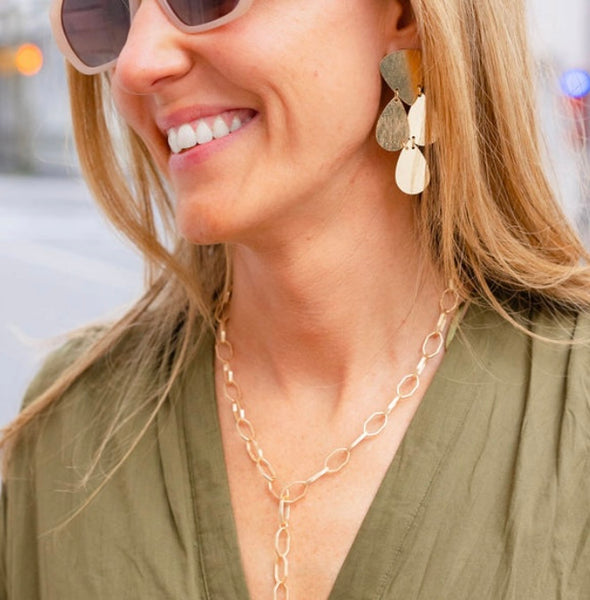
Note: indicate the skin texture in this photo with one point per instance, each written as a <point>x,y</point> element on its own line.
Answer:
<point>308,69</point>
<point>332,295</point>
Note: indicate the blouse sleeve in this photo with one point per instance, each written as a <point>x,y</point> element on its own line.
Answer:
<point>18,500</point>
<point>573,467</point>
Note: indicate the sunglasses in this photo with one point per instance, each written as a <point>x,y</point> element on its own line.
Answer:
<point>92,33</point>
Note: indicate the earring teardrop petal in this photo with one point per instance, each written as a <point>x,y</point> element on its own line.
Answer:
<point>412,174</point>
<point>417,120</point>
<point>393,129</point>
<point>402,71</point>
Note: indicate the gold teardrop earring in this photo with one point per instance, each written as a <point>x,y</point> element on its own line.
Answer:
<point>398,130</point>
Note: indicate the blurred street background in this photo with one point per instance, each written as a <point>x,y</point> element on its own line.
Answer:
<point>62,266</point>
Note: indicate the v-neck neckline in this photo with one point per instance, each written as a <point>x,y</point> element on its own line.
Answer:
<point>400,500</point>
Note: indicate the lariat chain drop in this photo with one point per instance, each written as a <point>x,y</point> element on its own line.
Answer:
<point>291,493</point>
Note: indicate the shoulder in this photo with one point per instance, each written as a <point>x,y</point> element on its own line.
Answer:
<point>101,361</point>
<point>108,426</point>
<point>561,354</point>
<point>576,382</point>
<point>544,375</point>
<point>545,371</point>
<point>67,402</point>
<point>559,342</point>
<point>82,388</point>
<point>96,384</point>
<point>84,429</point>
<point>57,363</point>
<point>78,385</point>
<point>529,395</point>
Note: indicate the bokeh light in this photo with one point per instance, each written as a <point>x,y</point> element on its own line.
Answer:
<point>575,83</point>
<point>28,59</point>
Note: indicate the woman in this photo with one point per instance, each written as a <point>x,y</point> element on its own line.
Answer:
<point>298,407</point>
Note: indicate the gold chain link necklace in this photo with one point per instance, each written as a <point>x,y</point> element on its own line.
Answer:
<point>291,493</point>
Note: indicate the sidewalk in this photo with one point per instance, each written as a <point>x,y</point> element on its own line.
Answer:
<point>61,267</point>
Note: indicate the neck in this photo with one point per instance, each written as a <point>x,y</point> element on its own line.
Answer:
<point>329,305</point>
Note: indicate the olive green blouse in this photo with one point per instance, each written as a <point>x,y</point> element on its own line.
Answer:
<point>487,498</point>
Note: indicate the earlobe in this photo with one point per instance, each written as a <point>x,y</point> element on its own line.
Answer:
<point>402,28</point>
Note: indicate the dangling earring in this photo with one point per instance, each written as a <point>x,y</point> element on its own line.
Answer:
<point>397,130</point>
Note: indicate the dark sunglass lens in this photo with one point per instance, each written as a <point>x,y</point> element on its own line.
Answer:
<point>96,29</point>
<point>199,12</point>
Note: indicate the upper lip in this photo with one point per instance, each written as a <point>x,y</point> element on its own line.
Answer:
<point>165,122</point>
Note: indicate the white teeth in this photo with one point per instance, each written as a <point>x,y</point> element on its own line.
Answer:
<point>173,141</point>
<point>186,137</point>
<point>220,129</point>
<point>204,133</point>
<point>200,132</point>
<point>236,124</point>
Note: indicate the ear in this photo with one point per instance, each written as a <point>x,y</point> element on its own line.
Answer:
<point>402,28</point>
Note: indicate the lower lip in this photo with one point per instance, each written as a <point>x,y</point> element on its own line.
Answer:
<point>201,153</point>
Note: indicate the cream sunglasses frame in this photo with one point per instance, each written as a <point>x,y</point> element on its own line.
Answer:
<point>71,56</point>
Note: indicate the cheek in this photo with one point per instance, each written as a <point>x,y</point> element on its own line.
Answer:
<point>328,77</point>
<point>136,112</point>
<point>334,106</point>
<point>125,105</point>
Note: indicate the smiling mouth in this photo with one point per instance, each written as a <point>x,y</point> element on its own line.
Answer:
<point>204,131</point>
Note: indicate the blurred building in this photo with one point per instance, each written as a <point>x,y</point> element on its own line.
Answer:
<point>34,122</point>
<point>560,31</point>
<point>560,37</point>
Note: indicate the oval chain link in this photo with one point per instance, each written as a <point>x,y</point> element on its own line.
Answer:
<point>338,459</point>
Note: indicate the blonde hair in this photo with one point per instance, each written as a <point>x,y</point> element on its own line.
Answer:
<point>489,218</point>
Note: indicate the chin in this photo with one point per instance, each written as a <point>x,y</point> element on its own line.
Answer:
<point>206,224</point>
<point>199,232</point>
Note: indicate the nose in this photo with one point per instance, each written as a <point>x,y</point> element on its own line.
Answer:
<point>154,52</point>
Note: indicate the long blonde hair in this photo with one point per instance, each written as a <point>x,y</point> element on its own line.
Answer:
<point>489,218</point>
